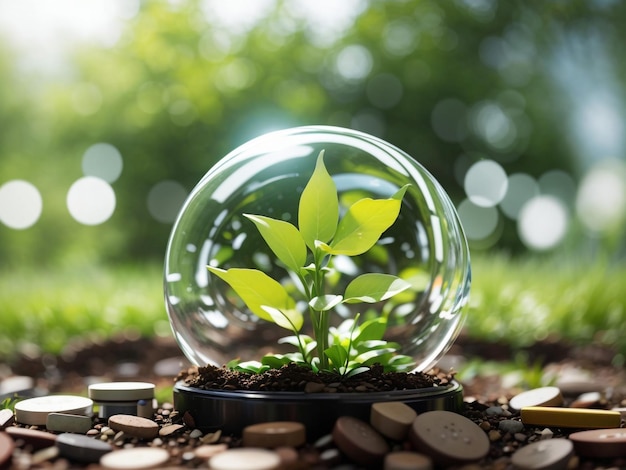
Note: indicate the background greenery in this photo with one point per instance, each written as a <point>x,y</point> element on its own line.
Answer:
<point>181,88</point>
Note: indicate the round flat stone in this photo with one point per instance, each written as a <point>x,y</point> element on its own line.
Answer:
<point>249,458</point>
<point>121,391</point>
<point>34,438</point>
<point>81,448</point>
<point>274,434</point>
<point>600,443</point>
<point>392,419</point>
<point>6,418</point>
<point>6,449</point>
<point>359,441</point>
<point>135,426</point>
<point>206,451</point>
<point>448,438</point>
<point>135,459</point>
<point>35,411</point>
<point>547,454</point>
<point>405,460</point>
<point>63,422</point>
<point>543,396</point>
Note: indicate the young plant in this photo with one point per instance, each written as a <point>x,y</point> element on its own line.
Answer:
<point>307,251</point>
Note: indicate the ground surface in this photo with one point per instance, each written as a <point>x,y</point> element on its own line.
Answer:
<point>578,369</point>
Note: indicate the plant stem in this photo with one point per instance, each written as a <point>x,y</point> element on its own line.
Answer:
<point>321,325</point>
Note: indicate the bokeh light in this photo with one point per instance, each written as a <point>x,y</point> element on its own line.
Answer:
<point>20,204</point>
<point>486,183</point>
<point>479,222</point>
<point>165,200</point>
<point>543,222</point>
<point>521,188</point>
<point>91,200</point>
<point>601,199</point>
<point>103,161</point>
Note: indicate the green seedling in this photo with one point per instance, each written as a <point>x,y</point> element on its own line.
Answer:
<point>307,252</point>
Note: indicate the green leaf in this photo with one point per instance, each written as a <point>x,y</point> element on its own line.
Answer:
<point>275,361</point>
<point>283,238</point>
<point>374,287</point>
<point>363,224</point>
<point>323,303</point>
<point>256,289</point>
<point>290,319</point>
<point>375,355</point>
<point>318,211</point>
<point>371,330</point>
<point>337,354</point>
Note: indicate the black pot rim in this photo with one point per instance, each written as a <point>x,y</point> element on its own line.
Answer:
<point>425,393</point>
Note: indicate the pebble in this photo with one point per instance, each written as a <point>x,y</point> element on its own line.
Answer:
<point>543,396</point>
<point>6,449</point>
<point>45,454</point>
<point>511,426</point>
<point>34,411</point>
<point>314,387</point>
<point>135,426</point>
<point>6,418</point>
<point>359,441</point>
<point>135,458</point>
<point>170,430</point>
<point>494,411</point>
<point>36,439</point>
<point>63,422</point>
<point>205,452</point>
<point>248,458</point>
<point>121,391</point>
<point>288,455</point>
<point>195,434</point>
<point>81,448</point>
<point>587,400</point>
<point>274,434</point>
<point>553,454</point>
<point>406,460</point>
<point>392,419</point>
<point>601,443</point>
<point>448,438</point>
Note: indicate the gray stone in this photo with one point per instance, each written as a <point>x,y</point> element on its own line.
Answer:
<point>511,426</point>
<point>63,422</point>
<point>81,448</point>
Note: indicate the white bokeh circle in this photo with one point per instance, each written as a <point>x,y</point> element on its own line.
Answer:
<point>20,204</point>
<point>91,200</point>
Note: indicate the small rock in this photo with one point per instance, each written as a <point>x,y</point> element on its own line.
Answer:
<point>494,411</point>
<point>546,433</point>
<point>313,387</point>
<point>196,433</point>
<point>485,425</point>
<point>520,437</point>
<point>135,426</point>
<point>170,430</point>
<point>6,418</point>
<point>510,425</point>
<point>494,435</point>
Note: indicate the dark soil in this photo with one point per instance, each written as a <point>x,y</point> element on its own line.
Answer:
<point>294,378</point>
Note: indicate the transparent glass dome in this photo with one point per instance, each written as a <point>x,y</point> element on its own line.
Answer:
<point>425,246</point>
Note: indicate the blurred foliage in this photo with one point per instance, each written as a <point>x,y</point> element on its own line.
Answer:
<point>577,302</point>
<point>179,90</point>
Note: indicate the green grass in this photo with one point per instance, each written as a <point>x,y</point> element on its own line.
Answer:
<point>47,309</point>
<point>516,301</point>
<point>526,300</point>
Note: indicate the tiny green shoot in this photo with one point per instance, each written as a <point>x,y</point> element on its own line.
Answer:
<point>307,251</point>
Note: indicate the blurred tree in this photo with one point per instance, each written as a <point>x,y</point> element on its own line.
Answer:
<point>448,82</point>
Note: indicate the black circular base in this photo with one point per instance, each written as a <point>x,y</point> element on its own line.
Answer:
<point>231,411</point>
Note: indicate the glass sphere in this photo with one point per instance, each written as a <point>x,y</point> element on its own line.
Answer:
<point>425,246</point>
